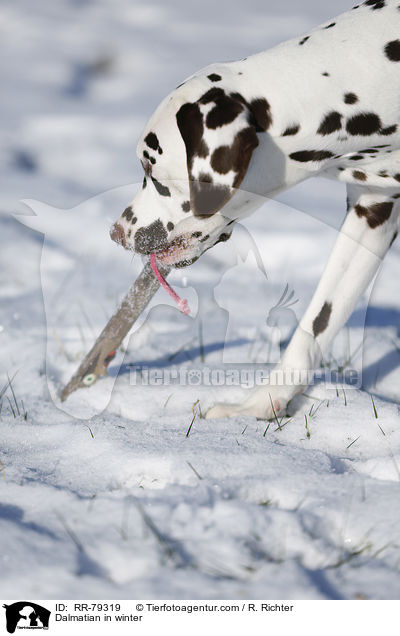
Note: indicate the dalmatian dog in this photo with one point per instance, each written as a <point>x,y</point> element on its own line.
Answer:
<point>326,103</point>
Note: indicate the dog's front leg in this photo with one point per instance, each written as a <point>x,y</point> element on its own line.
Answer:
<point>363,241</point>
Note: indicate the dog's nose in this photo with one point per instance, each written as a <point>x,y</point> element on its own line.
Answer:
<point>151,238</point>
<point>117,234</point>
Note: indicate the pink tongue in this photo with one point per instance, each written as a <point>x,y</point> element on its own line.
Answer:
<point>181,302</point>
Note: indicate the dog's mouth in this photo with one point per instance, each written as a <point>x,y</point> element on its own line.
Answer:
<point>178,253</point>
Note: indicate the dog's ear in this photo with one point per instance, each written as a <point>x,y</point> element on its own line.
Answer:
<point>219,132</point>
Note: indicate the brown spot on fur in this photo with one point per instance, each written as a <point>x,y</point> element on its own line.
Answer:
<point>311,155</point>
<point>224,112</point>
<point>208,198</point>
<point>237,156</point>
<point>190,124</point>
<point>322,320</point>
<point>261,112</point>
<point>291,130</point>
<point>375,214</point>
<point>350,98</point>
<point>211,95</point>
<point>359,175</point>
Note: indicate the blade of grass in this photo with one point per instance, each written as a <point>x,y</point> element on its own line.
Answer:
<point>373,404</point>
<point>353,442</point>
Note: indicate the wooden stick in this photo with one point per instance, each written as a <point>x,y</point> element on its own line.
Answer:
<point>104,349</point>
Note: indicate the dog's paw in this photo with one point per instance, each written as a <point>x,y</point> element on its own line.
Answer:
<point>264,411</point>
<point>223,410</point>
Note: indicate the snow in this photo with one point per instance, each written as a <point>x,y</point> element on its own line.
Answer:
<point>124,491</point>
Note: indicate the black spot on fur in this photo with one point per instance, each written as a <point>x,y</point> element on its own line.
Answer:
<point>392,50</point>
<point>170,226</point>
<point>375,4</point>
<point>214,77</point>
<point>330,124</point>
<point>322,320</point>
<point>148,157</point>
<point>311,155</point>
<point>161,189</point>
<point>127,214</point>
<point>375,214</point>
<point>326,74</point>
<point>350,98</point>
<point>330,25</point>
<point>364,124</point>
<point>186,206</point>
<point>196,234</point>
<point>359,175</point>
<point>397,177</point>
<point>356,158</point>
<point>134,220</point>
<point>144,183</point>
<point>205,238</point>
<point>152,141</point>
<point>151,238</point>
<point>394,237</point>
<point>304,40</point>
<point>291,130</point>
<point>390,130</point>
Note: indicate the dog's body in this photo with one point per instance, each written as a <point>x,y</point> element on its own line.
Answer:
<point>327,103</point>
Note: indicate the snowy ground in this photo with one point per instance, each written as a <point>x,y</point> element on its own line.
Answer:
<point>111,495</point>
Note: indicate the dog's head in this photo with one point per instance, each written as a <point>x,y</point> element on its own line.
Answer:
<point>195,152</point>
